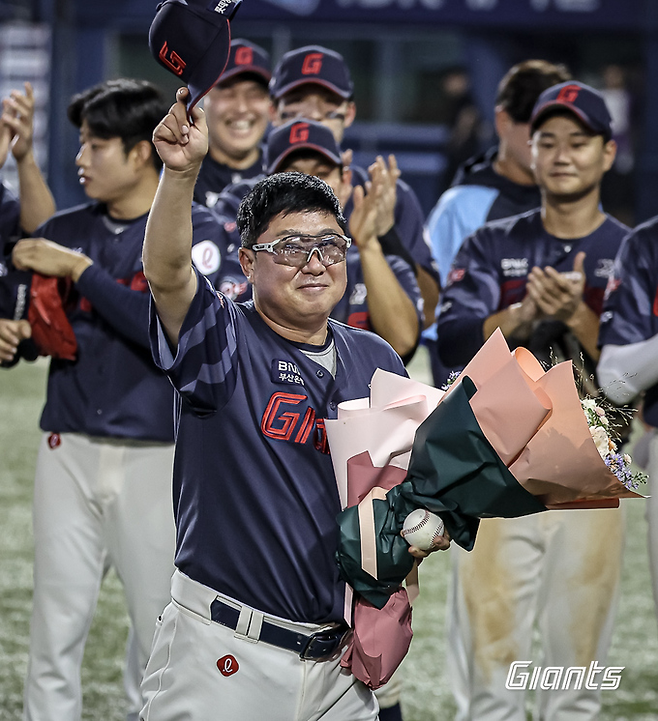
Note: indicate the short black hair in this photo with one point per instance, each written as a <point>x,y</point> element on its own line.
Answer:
<point>524,83</point>
<point>284,193</point>
<point>125,108</point>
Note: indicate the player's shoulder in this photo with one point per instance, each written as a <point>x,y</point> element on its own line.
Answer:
<point>364,343</point>
<point>75,215</point>
<point>465,200</point>
<point>524,226</point>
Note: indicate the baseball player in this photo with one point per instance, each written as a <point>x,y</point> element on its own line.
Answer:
<point>102,493</point>
<point>237,111</point>
<point>495,185</point>
<point>314,82</point>
<point>16,219</point>
<point>540,278</point>
<point>382,293</point>
<point>627,368</point>
<point>256,619</point>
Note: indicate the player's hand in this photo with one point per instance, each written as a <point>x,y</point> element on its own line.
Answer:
<point>442,544</point>
<point>558,295</point>
<point>182,144</point>
<point>363,220</point>
<point>6,134</point>
<point>12,332</point>
<point>387,176</point>
<point>49,258</point>
<point>18,115</point>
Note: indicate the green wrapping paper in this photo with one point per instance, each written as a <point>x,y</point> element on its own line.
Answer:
<point>454,472</point>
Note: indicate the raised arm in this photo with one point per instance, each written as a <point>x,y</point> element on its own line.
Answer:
<point>37,203</point>
<point>168,241</point>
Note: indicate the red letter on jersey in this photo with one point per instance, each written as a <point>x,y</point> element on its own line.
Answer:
<point>286,421</point>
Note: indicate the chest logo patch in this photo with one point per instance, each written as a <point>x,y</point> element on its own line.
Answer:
<point>228,665</point>
<point>284,371</point>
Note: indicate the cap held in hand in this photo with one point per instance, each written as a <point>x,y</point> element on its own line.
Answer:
<point>192,40</point>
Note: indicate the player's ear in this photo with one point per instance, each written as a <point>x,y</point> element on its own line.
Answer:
<point>246,256</point>
<point>609,154</point>
<point>350,114</point>
<point>142,152</point>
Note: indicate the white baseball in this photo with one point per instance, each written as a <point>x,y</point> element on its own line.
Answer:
<point>422,529</point>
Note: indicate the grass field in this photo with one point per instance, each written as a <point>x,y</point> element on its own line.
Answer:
<point>426,690</point>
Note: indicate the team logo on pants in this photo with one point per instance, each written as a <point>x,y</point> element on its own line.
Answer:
<point>227,665</point>
<point>54,440</point>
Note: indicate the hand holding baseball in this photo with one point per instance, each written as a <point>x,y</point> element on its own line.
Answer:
<point>424,532</point>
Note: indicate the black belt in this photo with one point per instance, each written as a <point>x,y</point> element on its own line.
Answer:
<point>317,646</point>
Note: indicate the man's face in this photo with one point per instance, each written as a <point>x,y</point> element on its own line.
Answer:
<point>316,102</point>
<point>295,298</point>
<point>237,113</point>
<point>568,161</point>
<point>105,171</point>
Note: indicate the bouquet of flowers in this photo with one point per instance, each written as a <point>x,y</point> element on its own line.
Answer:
<point>606,442</point>
<point>505,440</point>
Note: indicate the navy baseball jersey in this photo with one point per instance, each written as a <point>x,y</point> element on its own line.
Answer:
<point>490,273</point>
<point>9,232</point>
<point>113,387</point>
<point>630,313</point>
<point>214,177</point>
<point>255,495</point>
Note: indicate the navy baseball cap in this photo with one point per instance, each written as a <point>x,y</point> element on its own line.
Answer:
<point>586,103</point>
<point>312,64</point>
<point>300,134</point>
<point>191,40</point>
<point>245,57</point>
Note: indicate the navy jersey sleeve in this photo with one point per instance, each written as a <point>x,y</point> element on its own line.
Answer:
<point>472,295</point>
<point>630,313</point>
<point>126,309</point>
<point>204,367</point>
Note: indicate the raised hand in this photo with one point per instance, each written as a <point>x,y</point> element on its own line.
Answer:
<point>387,177</point>
<point>182,144</point>
<point>18,115</point>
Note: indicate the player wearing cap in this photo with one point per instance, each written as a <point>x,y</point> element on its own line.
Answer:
<point>628,337</point>
<point>237,111</point>
<point>495,185</point>
<point>255,627</point>
<point>314,82</point>
<point>103,480</point>
<point>382,293</point>
<point>540,278</point>
<point>18,218</point>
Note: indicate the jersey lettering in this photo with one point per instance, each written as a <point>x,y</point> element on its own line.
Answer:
<point>280,425</point>
<point>312,64</point>
<point>286,425</point>
<point>172,59</point>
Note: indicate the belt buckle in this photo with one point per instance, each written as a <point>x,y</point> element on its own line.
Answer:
<point>332,638</point>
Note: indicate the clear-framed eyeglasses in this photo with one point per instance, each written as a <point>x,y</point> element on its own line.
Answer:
<point>296,250</point>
